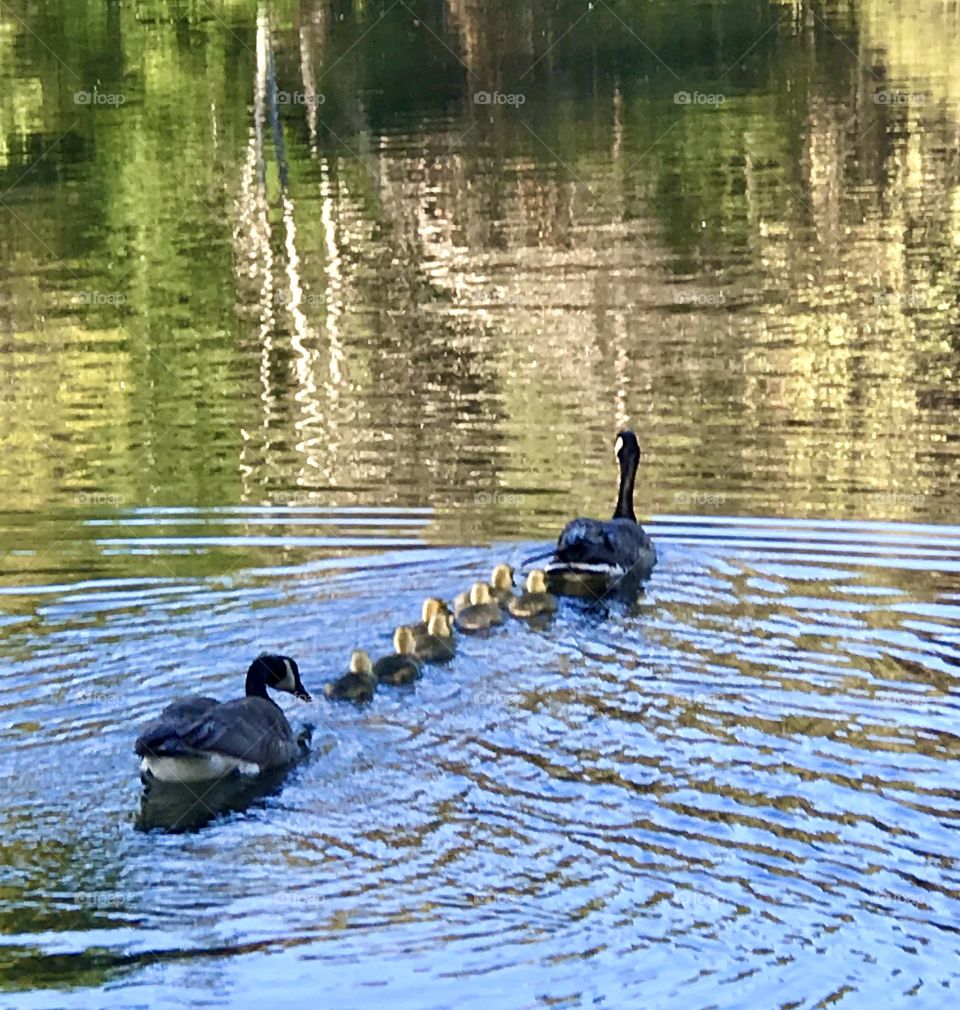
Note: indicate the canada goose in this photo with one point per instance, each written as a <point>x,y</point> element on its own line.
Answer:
<point>358,684</point>
<point>536,600</point>
<point>402,666</point>
<point>437,645</point>
<point>604,551</point>
<point>197,738</point>
<point>482,612</point>
<point>461,600</point>
<point>501,584</point>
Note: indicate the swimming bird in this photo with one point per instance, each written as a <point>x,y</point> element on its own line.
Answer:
<point>601,552</point>
<point>197,738</point>
<point>401,667</point>
<point>482,613</point>
<point>501,584</point>
<point>437,644</point>
<point>536,600</point>
<point>357,684</point>
<point>431,606</point>
<point>461,600</point>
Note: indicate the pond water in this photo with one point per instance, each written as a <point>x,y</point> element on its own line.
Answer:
<point>310,310</point>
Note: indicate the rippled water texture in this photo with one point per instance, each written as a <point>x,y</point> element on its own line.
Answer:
<point>309,310</point>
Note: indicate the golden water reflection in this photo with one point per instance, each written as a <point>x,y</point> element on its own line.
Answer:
<point>367,292</point>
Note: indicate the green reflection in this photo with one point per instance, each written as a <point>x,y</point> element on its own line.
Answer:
<point>281,249</point>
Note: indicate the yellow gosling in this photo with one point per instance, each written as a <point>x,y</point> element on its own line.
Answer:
<point>437,645</point>
<point>402,667</point>
<point>358,684</point>
<point>482,613</point>
<point>535,600</point>
<point>501,584</point>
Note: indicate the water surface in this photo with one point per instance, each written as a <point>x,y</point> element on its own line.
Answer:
<point>297,328</point>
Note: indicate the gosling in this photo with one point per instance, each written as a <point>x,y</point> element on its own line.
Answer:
<point>482,613</point>
<point>535,600</point>
<point>431,606</point>
<point>501,584</point>
<point>401,667</point>
<point>358,684</point>
<point>437,644</point>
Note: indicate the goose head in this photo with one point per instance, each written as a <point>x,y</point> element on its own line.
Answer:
<point>536,582</point>
<point>502,578</point>
<point>404,643</point>
<point>479,594</point>
<point>627,448</point>
<point>280,673</point>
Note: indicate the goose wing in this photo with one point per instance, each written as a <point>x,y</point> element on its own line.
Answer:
<point>248,729</point>
<point>162,736</point>
<point>613,543</point>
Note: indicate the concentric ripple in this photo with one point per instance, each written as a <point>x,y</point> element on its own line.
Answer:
<point>736,791</point>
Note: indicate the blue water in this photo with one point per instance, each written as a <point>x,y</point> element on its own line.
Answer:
<point>739,790</point>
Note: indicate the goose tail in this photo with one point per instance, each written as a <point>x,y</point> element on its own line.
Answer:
<point>533,558</point>
<point>158,740</point>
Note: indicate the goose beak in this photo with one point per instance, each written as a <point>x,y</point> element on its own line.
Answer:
<point>302,694</point>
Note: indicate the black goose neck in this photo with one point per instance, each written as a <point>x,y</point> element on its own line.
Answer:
<point>257,680</point>
<point>628,474</point>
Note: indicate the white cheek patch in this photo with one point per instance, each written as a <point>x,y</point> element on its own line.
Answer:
<point>617,448</point>
<point>289,683</point>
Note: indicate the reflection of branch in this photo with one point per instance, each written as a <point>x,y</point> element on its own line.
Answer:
<point>251,234</point>
<point>262,234</point>
<point>309,41</point>
<point>253,237</point>
<point>273,107</point>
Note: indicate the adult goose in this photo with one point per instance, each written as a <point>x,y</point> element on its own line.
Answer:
<point>197,738</point>
<point>595,555</point>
